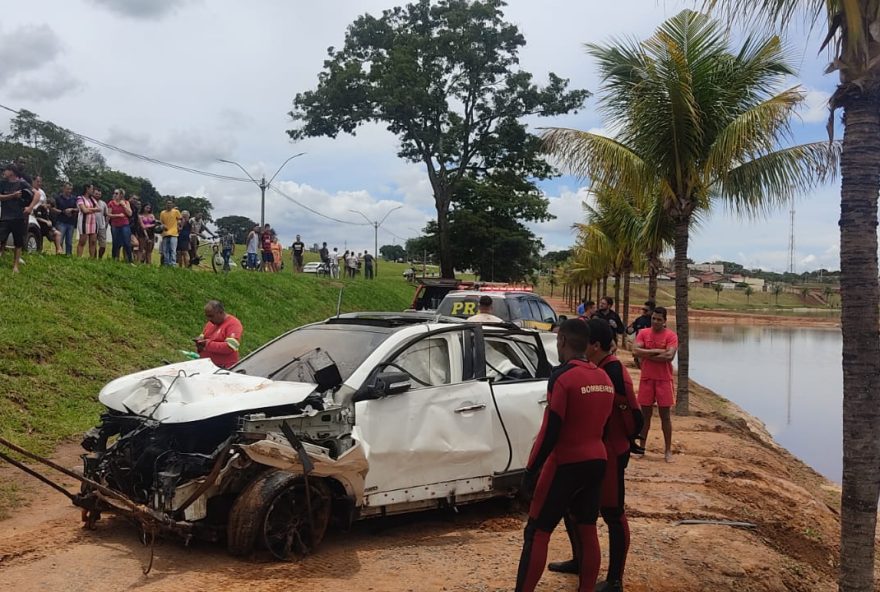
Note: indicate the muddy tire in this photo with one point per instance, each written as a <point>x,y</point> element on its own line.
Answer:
<point>273,502</point>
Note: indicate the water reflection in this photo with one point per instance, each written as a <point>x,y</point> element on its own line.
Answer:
<point>790,378</point>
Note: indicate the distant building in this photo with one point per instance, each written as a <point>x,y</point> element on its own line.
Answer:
<point>707,279</point>
<point>706,267</point>
<point>755,283</point>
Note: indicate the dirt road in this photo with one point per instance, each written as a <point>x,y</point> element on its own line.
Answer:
<point>723,469</point>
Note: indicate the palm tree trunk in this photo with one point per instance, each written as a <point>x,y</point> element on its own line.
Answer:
<point>682,234</point>
<point>653,271</point>
<point>617,290</point>
<point>626,277</point>
<point>860,319</point>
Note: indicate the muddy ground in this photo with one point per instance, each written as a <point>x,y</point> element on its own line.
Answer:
<point>725,468</point>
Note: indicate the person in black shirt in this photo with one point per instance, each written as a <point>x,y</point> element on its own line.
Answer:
<point>298,248</point>
<point>17,200</point>
<point>65,221</point>
<point>606,312</point>
<point>368,265</point>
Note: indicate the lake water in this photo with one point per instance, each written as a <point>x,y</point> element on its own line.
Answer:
<point>789,378</point>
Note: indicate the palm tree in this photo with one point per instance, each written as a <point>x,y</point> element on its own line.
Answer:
<point>698,123</point>
<point>776,290</point>
<point>828,291</point>
<point>718,289</point>
<point>855,54</point>
<point>749,291</point>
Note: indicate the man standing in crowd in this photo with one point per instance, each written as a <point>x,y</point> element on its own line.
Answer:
<point>324,254</point>
<point>567,462</point>
<point>334,263</point>
<point>588,311</point>
<point>65,210</point>
<point>606,312</point>
<point>227,248</point>
<point>485,315</point>
<point>368,265</point>
<point>623,425</point>
<point>100,222</point>
<point>266,249</point>
<point>170,219</point>
<point>221,337</point>
<point>298,248</point>
<point>642,322</point>
<point>656,347</point>
<point>17,199</point>
<point>252,242</point>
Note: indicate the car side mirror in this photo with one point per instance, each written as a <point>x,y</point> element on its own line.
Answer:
<point>384,385</point>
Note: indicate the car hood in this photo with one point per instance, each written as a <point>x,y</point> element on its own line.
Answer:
<point>196,390</point>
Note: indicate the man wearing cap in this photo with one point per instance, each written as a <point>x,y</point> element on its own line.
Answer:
<point>485,315</point>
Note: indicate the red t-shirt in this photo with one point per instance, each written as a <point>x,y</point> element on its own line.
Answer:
<point>581,395</point>
<point>222,341</point>
<point>621,423</point>
<point>266,239</point>
<point>650,339</point>
<point>117,208</point>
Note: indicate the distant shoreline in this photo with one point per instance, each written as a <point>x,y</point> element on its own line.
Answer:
<point>724,317</point>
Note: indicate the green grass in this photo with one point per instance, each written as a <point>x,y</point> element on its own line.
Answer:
<point>68,326</point>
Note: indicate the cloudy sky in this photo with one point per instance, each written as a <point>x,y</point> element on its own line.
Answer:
<point>193,81</point>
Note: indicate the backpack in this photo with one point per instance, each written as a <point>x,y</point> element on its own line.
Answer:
<point>630,412</point>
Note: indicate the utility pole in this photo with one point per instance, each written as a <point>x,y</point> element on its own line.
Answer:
<point>791,241</point>
<point>262,183</point>
<point>375,224</point>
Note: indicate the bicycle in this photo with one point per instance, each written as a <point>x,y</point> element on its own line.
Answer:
<point>208,253</point>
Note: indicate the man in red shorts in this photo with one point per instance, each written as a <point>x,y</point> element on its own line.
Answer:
<point>623,426</point>
<point>567,462</point>
<point>656,348</point>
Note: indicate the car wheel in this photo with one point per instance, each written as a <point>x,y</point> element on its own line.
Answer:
<point>273,511</point>
<point>34,241</point>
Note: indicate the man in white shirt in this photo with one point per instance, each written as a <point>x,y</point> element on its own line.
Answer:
<point>485,315</point>
<point>333,259</point>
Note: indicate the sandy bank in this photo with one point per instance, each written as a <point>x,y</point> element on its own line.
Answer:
<point>726,468</point>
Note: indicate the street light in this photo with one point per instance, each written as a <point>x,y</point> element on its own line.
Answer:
<point>262,183</point>
<point>376,224</point>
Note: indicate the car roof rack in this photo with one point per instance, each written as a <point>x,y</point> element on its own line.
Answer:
<point>390,319</point>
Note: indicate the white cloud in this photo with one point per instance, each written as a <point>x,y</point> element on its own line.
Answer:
<point>26,49</point>
<point>44,87</point>
<point>814,109</point>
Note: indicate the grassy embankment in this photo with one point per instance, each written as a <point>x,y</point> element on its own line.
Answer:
<point>68,326</point>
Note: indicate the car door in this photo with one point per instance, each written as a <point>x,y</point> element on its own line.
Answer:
<point>436,439</point>
<point>520,394</point>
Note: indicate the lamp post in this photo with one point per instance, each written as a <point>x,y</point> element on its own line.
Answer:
<point>376,224</point>
<point>262,183</point>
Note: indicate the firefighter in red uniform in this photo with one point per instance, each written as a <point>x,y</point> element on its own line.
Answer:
<point>623,426</point>
<point>567,462</point>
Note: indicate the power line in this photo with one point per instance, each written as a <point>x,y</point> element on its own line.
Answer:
<point>316,212</point>
<point>143,157</point>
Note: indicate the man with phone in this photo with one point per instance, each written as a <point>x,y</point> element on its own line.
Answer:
<point>221,337</point>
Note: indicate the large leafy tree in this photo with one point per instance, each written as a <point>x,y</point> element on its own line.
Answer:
<point>392,252</point>
<point>699,123</point>
<point>194,205</point>
<point>487,227</point>
<point>108,179</point>
<point>443,77</point>
<point>69,152</point>
<point>238,226</point>
<point>853,40</point>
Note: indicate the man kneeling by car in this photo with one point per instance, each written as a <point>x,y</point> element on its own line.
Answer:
<point>568,459</point>
<point>221,337</point>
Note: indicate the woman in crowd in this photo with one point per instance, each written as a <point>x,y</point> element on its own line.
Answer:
<point>86,222</point>
<point>276,252</point>
<point>183,240</point>
<point>148,223</point>
<point>43,215</point>
<point>119,213</point>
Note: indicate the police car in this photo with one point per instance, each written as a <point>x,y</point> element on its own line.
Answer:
<point>364,414</point>
<point>518,305</point>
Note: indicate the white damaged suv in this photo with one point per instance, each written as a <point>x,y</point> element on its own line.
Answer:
<point>366,414</point>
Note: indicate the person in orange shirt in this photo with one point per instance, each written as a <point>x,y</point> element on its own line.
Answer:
<point>221,337</point>
<point>276,252</point>
<point>656,348</point>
